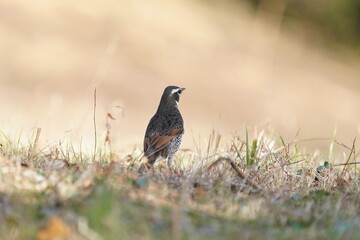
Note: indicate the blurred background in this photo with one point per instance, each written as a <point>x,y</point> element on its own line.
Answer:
<point>291,64</point>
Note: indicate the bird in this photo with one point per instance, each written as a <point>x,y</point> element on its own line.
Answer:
<point>165,130</point>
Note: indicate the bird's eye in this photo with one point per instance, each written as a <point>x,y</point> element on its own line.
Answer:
<point>179,92</point>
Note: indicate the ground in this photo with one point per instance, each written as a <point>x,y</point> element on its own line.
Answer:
<point>253,189</point>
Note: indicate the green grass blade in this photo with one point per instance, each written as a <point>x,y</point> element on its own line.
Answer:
<point>253,152</point>
<point>247,148</point>
<point>237,151</point>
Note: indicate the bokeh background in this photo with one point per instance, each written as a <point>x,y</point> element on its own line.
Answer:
<point>290,64</point>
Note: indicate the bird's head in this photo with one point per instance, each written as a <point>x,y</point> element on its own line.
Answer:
<point>171,96</point>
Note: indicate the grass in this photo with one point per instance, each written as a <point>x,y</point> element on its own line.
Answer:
<point>259,187</point>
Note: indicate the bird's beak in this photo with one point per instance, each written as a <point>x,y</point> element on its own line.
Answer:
<point>182,89</point>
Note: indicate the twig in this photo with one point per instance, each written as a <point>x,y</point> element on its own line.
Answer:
<point>351,153</point>
<point>95,132</point>
<point>343,145</point>
<point>237,170</point>
<point>345,164</point>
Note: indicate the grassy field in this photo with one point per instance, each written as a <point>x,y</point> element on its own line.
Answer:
<point>240,66</point>
<point>254,186</point>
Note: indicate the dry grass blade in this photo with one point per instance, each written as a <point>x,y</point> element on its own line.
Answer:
<point>343,145</point>
<point>237,170</point>
<point>94,119</point>
<point>34,145</point>
<point>345,164</point>
<point>108,128</point>
<point>352,152</point>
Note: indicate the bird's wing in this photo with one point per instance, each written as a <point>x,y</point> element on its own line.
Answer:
<point>156,142</point>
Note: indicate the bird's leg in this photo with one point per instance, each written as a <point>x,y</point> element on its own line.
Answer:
<point>149,164</point>
<point>144,168</point>
<point>172,170</point>
<point>169,163</point>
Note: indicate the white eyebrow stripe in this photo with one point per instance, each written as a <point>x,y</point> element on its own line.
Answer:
<point>174,90</point>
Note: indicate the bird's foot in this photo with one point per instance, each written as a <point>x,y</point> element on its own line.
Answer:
<point>144,169</point>
<point>176,172</point>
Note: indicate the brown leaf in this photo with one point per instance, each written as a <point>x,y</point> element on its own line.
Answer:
<point>110,116</point>
<point>55,228</point>
<point>23,164</point>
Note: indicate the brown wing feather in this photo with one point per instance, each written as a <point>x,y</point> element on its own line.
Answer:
<point>155,142</point>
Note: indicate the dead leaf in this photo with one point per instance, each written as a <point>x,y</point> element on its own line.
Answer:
<point>25,165</point>
<point>55,228</point>
<point>110,116</point>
